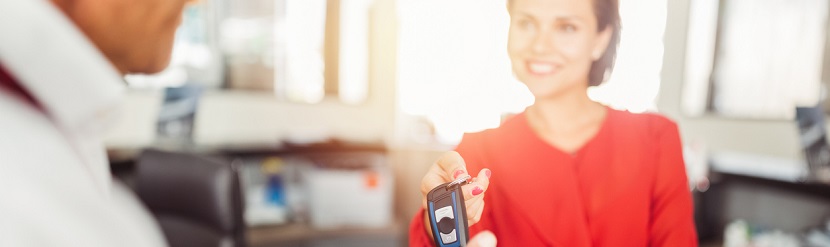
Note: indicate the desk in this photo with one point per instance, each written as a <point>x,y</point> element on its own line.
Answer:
<point>300,234</point>
<point>765,192</point>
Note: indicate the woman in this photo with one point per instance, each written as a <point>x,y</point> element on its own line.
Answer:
<point>569,171</point>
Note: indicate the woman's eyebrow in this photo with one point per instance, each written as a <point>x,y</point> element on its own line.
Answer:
<point>561,18</point>
<point>525,15</point>
<point>570,18</point>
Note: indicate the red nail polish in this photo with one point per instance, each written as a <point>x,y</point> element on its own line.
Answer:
<point>477,191</point>
<point>488,173</point>
<point>457,173</point>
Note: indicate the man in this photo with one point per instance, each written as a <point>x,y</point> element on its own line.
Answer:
<point>61,69</point>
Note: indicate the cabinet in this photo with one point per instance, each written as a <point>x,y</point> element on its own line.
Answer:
<point>336,163</point>
<point>773,196</point>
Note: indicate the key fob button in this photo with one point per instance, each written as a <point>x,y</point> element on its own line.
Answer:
<point>446,225</point>
<point>449,237</point>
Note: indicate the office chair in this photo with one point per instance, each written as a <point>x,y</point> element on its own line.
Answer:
<point>197,201</point>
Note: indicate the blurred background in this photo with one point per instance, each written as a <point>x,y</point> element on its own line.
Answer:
<point>332,110</point>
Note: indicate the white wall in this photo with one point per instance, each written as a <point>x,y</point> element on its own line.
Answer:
<point>768,137</point>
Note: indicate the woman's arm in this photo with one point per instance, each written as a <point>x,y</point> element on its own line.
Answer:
<point>672,214</point>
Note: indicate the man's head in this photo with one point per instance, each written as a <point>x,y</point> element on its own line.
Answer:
<point>135,35</point>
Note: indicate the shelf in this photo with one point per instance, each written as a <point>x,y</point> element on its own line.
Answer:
<point>765,168</point>
<point>329,146</point>
<point>273,235</point>
<point>760,166</point>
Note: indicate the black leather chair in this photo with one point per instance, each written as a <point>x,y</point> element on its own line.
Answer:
<point>196,200</point>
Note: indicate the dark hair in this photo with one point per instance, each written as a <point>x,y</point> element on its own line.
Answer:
<point>607,13</point>
<point>608,16</point>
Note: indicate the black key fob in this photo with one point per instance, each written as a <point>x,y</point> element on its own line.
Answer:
<point>448,214</point>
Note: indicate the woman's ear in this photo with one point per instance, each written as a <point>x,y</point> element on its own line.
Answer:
<point>601,43</point>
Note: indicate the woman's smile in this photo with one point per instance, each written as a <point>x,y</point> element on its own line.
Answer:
<point>542,68</point>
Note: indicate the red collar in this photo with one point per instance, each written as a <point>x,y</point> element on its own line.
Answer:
<point>8,83</point>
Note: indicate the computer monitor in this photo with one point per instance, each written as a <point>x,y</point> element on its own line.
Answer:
<point>813,135</point>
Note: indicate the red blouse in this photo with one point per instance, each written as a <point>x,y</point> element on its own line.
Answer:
<point>625,187</point>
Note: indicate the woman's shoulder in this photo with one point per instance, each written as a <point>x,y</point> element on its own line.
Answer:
<point>512,131</point>
<point>512,126</point>
<point>648,122</point>
<point>488,146</point>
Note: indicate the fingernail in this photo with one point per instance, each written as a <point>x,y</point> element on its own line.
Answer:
<point>477,191</point>
<point>457,173</point>
<point>488,173</point>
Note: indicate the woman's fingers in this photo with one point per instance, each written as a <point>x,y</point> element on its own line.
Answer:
<point>449,166</point>
<point>483,239</point>
<point>474,196</point>
<point>478,185</point>
<point>474,210</point>
<point>446,169</point>
<point>433,178</point>
<point>452,164</point>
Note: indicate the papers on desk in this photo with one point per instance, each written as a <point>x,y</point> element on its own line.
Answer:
<point>759,165</point>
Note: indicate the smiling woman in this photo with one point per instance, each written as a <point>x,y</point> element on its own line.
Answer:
<point>568,171</point>
<point>551,41</point>
<point>569,31</point>
<point>454,71</point>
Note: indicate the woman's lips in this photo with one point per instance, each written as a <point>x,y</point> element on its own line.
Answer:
<point>542,68</point>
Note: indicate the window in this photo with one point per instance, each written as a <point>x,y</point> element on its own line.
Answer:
<point>301,50</point>
<point>754,59</point>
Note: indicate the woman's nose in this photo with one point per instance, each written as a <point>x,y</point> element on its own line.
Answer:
<point>544,42</point>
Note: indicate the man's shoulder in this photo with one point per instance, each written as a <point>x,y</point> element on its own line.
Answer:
<point>48,195</point>
<point>28,135</point>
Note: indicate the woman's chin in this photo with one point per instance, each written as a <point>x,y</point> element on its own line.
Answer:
<point>540,91</point>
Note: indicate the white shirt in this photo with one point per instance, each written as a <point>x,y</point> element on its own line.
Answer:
<point>55,183</point>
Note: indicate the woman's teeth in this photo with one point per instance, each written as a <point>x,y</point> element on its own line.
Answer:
<point>541,68</point>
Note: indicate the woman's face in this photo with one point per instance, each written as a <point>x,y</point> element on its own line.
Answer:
<point>552,44</point>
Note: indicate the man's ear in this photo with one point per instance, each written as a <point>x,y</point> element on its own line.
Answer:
<point>601,44</point>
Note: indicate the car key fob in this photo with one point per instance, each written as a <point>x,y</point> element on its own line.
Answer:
<point>448,214</point>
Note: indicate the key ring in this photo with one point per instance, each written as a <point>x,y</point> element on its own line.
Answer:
<point>458,181</point>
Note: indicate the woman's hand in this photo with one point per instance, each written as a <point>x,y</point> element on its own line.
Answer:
<point>483,239</point>
<point>446,169</point>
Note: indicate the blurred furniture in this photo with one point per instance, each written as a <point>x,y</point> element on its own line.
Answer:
<point>197,201</point>
<point>304,235</point>
<point>776,195</point>
<point>299,230</point>
<point>193,212</point>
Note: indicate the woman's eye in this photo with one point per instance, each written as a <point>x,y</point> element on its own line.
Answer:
<point>525,24</point>
<point>568,28</point>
